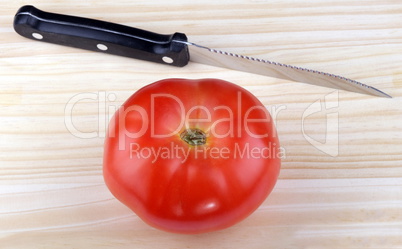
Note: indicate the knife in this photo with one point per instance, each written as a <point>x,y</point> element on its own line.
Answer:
<point>175,49</point>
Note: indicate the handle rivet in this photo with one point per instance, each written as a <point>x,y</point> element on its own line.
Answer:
<point>167,60</point>
<point>102,47</point>
<point>37,36</point>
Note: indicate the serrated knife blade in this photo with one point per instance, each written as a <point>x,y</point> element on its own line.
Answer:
<point>219,58</point>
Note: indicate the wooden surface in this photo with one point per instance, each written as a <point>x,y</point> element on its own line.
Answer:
<point>341,181</point>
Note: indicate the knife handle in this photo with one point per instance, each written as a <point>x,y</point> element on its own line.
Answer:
<point>96,35</point>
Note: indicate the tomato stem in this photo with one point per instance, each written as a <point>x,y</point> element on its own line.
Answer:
<point>194,136</point>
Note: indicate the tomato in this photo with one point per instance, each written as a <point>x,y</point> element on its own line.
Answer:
<point>191,156</point>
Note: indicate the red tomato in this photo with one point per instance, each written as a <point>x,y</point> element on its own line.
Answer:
<point>191,156</point>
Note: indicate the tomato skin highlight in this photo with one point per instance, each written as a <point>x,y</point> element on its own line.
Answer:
<point>183,188</point>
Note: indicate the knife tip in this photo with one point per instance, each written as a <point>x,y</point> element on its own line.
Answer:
<point>381,93</point>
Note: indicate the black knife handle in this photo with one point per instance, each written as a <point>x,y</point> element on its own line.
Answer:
<point>101,36</point>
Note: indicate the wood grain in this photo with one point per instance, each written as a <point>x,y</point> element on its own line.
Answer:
<point>52,193</point>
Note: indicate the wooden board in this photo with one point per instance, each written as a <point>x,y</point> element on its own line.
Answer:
<point>341,179</point>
